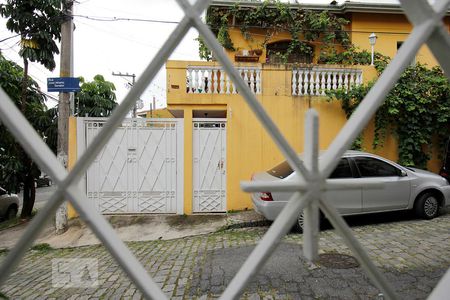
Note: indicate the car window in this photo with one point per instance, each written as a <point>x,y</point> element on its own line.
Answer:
<point>2,191</point>
<point>342,170</point>
<point>282,170</point>
<point>372,167</point>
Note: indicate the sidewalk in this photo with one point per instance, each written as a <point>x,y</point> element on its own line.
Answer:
<point>137,228</point>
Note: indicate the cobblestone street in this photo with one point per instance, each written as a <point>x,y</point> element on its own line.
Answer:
<point>413,254</point>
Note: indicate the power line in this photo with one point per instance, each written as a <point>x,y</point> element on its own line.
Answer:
<point>127,37</point>
<point>10,47</point>
<point>11,37</point>
<point>81,3</point>
<point>115,19</point>
<point>33,65</point>
<point>50,96</point>
<point>42,83</point>
<point>133,77</point>
<point>47,95</point>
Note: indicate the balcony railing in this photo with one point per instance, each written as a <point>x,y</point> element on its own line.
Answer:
<point>316,80</point>
<point>214,80</point>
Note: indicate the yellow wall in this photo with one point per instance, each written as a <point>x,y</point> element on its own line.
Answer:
<point>72,157</point>
<point>390,29</point>
<point>249,147</point>
<point>258,41</point>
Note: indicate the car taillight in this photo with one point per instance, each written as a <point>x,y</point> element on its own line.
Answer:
<point>266,196</point>
<point>446,175</point>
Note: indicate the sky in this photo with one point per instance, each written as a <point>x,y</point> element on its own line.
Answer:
<point>103,47</point>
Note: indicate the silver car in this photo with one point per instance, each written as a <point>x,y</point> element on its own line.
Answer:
<point>396,188</point>
<point>9,204</point>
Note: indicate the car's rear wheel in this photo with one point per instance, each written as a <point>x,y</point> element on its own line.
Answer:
<point>301,220</point>
<point>427,206</point>
<point>11,213</point>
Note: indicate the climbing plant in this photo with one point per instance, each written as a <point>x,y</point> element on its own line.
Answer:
<point>274,16</point>
<point>416,111</point>
<point>353,56</point>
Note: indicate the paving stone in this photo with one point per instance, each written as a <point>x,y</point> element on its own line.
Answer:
<point>253,297</point>
<point>179,291</point>
<point>137,296</point>
<point>412,254</point>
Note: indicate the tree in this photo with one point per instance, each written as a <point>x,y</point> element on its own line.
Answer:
<point>16,167</point>
<point>96,98</point>
<point>38,22</point>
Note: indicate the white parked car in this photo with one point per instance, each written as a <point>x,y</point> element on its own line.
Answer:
<point>9,204</point>
<point>402,188</point>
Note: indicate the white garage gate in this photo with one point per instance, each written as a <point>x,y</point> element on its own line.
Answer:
<point>139,170</point>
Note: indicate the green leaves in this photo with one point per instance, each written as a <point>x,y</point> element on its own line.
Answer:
<point>96,98</point>
<point>38,21</point>
<point>13,167</point>
<point>416,110</point>
<point>274,16</point>
<point>352,56</point>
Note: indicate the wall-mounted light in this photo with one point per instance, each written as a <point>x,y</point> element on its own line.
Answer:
<point>372,41</point>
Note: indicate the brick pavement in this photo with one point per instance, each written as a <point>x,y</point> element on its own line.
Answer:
<point>413,254</point>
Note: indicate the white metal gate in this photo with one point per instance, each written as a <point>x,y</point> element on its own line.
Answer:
<point>136,171</point>
<point>209,154</point>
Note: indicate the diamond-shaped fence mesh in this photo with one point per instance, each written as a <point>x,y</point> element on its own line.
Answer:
<point>428,28</point>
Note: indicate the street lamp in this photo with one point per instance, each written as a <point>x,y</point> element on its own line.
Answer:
<point>372,40</point>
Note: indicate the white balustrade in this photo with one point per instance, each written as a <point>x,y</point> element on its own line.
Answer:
<point>317,87</point>
<point>295,74</point>
<point>209,80</point>
<point>322,82</point>
<point>306,82</point>
<point>315,81</point>
<point>196,81</point>
<point>214,82</point>
<point>222,83</point>
<point>258,81</point>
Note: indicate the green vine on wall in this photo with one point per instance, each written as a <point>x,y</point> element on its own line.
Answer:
<point>416,110</point>
<point>352,56</point>
<point>273,17</point>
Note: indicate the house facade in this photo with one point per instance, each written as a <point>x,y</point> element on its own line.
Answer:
<point>199,90</point>
<point>213,142</point>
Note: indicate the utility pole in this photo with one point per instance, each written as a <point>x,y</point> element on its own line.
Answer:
<point>66,70</point>
<point>133,76</point>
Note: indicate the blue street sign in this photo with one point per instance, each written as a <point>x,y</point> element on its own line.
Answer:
<point>63,84</point>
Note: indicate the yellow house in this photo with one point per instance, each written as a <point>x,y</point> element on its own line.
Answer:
<point>208,140</point>
<point>201,94</point>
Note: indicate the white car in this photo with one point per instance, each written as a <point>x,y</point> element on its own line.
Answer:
<point>9,204</point>
<point>401,188</point>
